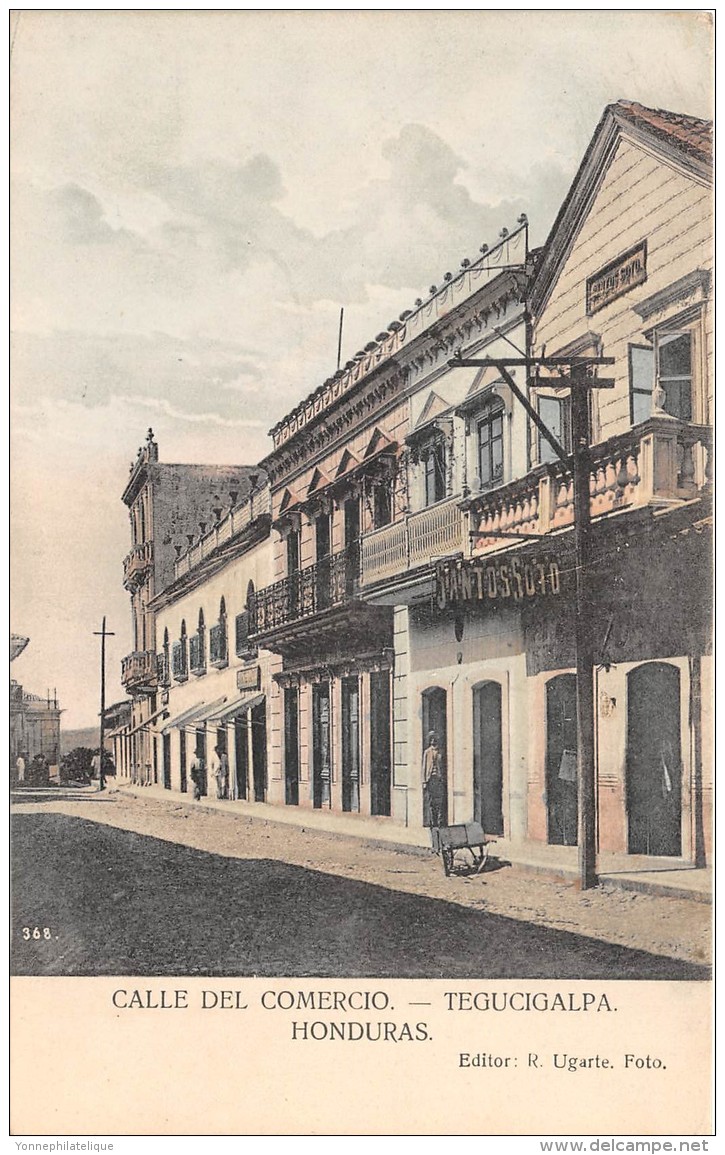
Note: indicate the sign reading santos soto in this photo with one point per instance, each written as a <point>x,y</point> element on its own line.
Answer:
<point>497,580</point>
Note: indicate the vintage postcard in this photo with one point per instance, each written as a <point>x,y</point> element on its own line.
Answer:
<point>361,690</point>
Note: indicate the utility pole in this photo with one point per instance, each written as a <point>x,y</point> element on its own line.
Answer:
<point>579,379</point>
<point>339,339</point>
<point>103,633</point>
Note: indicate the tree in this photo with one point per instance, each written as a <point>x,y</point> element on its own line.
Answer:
<point>76,766</point>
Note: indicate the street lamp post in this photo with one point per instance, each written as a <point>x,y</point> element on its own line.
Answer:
<point>103,633</point>
<point>580,381</point>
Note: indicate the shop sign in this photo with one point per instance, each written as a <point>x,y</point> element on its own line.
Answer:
<point>490,580</point>
<point>617,277</point>
<point>249,678</point>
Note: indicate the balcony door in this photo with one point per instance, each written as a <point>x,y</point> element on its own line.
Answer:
<point>380,743</point>
<point>654,770</point>
<point>352,542</point>
<point>292,746</point>
<point>561,755</point>
<point>488,758</point>
<point>321,753</point>
<point>351,743</point>
<point>322,557</point>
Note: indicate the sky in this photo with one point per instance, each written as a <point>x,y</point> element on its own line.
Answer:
<point>195,196</point>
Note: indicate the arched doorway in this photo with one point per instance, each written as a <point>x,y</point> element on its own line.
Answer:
<point>654,767</point>
<point>435,721</point>
<point>488,757</point>
<point>561,754</point>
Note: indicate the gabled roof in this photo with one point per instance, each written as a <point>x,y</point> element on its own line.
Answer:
<point>685,141</point>
<point>688,132</point>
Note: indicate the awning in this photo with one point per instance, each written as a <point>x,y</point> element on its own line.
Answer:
<point>236,706</point>
<point>147,721</point>
<point>185,716</point>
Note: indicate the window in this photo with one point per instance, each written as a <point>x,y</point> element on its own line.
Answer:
<point>674,357</point>
<point>242,625</point>
<point>490,446</point>
<point>667,364</point>
<point>555,413</point>
<point>434,463</point>
<point>641,381</point>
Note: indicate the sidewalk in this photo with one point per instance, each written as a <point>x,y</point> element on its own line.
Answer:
<point>668,877</point>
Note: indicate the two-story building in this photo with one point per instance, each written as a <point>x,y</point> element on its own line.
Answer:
<point>626,273</point>
<point>170,508</point>
<point>366,477</point>
<point>219,689</point>
<point>485,640</point>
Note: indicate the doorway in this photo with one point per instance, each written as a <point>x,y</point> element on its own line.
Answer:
<point>167,761</point>
<point>654,767</point>
<point>292,746</point>
<point>258,721</point>
<point>561,756</point>
<point>321,745</point>
<point>241,752</point>
<point>182,761</point>
<point>380,742</point>
<point>351,744</point>
<point>434,715</point>
<point>488,758</point>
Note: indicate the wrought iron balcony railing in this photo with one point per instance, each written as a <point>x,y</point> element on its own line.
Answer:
<point>326,585</point>
<point>218,650</point>
<point>197,655</point>
<point>179,663</point>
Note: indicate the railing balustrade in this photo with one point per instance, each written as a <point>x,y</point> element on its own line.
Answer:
<point>139,669</point>
<point>327,584</point>
<point>659,462</point>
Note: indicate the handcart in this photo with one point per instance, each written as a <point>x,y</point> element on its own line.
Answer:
<point>446,840</point>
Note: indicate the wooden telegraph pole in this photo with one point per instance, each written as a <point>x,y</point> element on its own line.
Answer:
<point>103,633</point>
<point>576,374</point>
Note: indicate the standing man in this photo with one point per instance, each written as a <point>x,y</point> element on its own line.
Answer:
<point>221,772</point>
<point>196,773</point>
<point>433,791</point>
<point>20,770</point>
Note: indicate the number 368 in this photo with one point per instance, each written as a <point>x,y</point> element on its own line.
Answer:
<point>36,932</point>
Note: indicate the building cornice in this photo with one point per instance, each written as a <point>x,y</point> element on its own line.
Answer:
<point>425,356</point>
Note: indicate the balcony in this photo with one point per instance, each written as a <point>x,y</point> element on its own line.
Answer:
<point>197,655</point>
<point>179,664</point>
<point>659,463</point>
<point>139,671</point>
<point>136,565</point>
<point>329,583</point>
<point>414,542</point>
<point>318,609</point>
<point>218,650</point>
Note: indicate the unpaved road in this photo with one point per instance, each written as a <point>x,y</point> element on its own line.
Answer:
<point>141,885</point>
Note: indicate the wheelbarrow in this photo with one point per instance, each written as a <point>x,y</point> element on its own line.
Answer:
<point>468,836</point>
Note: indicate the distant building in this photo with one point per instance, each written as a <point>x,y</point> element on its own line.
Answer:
<point>171,507</point>
<point>34,726</point>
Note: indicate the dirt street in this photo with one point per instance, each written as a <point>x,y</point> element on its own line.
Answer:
<point>674,929</point>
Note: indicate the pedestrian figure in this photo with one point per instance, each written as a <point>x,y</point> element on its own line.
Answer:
<point>221,772</point>
<point>20,770</point>
<point>196,774</point>
<point>432,767</point>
